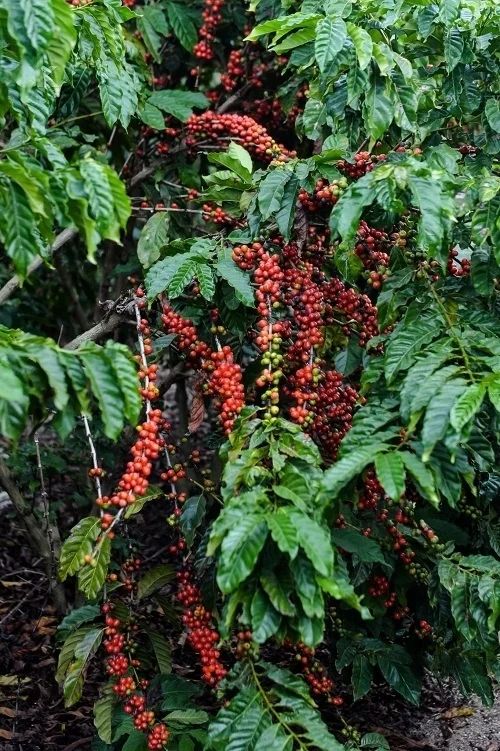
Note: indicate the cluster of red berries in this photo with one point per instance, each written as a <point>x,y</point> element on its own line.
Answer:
<point>424,629</point>
<point>235,69</point>
<point>315,674</point>
<point>458,266</point>
<point>253,136</point>
<point>212,16</point>
<point>363,162</point>
<point>357,308</point>
<point>324,195</point>
<point>372,491</point>
<point>217,215</point>
<point>135,480</point>
<point>224,376</point>
<point>125,685</point>
<point>202,635</point>
<point>371,247</point>
<point>226,384</point>
<point>305,298</point>
<point>333,413</point>
<point>188,340</point>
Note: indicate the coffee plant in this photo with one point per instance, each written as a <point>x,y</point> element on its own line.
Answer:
<point>295,209</point>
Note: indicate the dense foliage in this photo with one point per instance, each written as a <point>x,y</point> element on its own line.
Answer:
<point>296,210</point>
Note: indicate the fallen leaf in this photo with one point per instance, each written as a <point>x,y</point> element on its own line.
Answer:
<point>12,584</point>
<point>7,712</point>
<point>454,712</point>
<point>7,734</point>
<point>12,680</point>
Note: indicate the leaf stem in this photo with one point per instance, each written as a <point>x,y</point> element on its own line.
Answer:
<point>453,333</point>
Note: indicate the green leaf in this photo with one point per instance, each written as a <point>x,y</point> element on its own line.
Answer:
<point>448,11</point>
<point>362,44</point>
<point>67,652</point>
<point>421,476</point>
<point>162,650</point>
<point>467,405</point>
<point>153,25</point>
<point>437,415</point>
<point>184,275</point>
<point>193,514</point>
<point>399,676</point>
<point>391,473</point>
<point>436,212</point>
<point>453,48</point>
<point>78,617</point>
<point>20,233</point>
<point>206,281</point>
<point>329,40</point>
<point>484,270</point>
<point>314,117</point>
<point>240,550</point>
<point>405,343</point>
<point>347,468</point>
<point>494,392</point>
<point>101,375</point>
<point>278,596</point>
<point>379,108</point>
<point>126,377</point>
<point>308,590</point>
<point>286,214</point>
<point>265,619</point>
<point>354,542</point>
<point>91,576</point>
<point>492,112</point>
<point>153,117</point>
<point>154,579</point>
<point>118,87</point>
<point>236,278</point>
<point>84,651</point>
<point>79,544</point>
<point>271,192</point>
<point>179,104</point>
<point>361,677</point>
<point>283,531</point>
<point>315,542</point>
<point>154,236</point>
<point>11,387</point>
<point>103,716</point>
<point>182,24</point>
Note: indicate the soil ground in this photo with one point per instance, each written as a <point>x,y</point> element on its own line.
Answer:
<point>32,714</point>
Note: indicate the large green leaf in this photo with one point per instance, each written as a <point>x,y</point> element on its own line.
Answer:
<point>101,374</point>
<point>379,108</point>
<point>362,44</point>
<point>437,415</point>
<point>178,103</point>
<point>265,618</point>
<point>329,40</point>
<point>391,473</point>
<point>406,342</point>
<point>154,237</point>
<point>314,540</point>
<point>91,576</point>
<point>237,278</point>
<point>344,470</point>
<point>240,550</point>
<point>399,674</point>
<point>79,544</point>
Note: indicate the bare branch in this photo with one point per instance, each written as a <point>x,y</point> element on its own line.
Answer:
<point>10,287</point>
<point>102,328</point>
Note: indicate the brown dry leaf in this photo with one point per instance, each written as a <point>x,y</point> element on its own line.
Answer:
<point>197,412</point>
<point>7,734</point>
<point>12,584</point>
<point>7,712</point>
<point>454,712</point>
<point>46,625</point>
<point>12,680</point>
